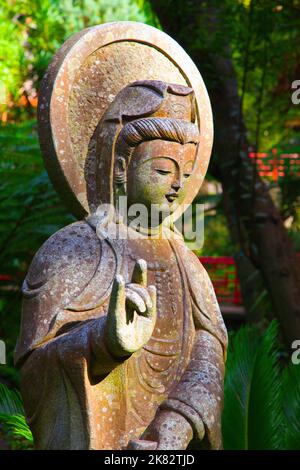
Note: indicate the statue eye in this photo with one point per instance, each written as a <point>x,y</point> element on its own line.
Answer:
<point>163,172</point>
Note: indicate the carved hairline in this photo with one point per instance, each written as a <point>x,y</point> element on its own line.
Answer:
<point>146,129</point>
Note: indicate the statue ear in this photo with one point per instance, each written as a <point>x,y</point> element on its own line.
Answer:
<point>120,170</point>
<point>120,176</point>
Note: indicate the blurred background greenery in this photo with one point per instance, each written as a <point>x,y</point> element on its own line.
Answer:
<point>248,53</point>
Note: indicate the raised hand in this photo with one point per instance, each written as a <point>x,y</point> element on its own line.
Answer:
<point>131,313</point>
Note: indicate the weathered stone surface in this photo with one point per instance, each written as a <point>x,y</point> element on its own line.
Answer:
<point>84,78</point>
<point>122,343</point>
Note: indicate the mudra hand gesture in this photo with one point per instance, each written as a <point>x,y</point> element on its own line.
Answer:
<point>131,313</point>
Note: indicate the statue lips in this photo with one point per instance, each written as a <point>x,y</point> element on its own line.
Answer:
<point>171,197</point>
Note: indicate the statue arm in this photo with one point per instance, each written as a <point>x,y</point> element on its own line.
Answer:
<point>73,295</point>
<point>85,340</point>
<point>57,378</point>
<point>61,302</point>
<point>199,394</point>
<point>193,408</point>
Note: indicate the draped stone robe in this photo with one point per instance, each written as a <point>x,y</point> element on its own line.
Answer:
<point>76,394</point>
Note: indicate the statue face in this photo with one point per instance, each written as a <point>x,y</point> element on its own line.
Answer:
<point>158,174</point>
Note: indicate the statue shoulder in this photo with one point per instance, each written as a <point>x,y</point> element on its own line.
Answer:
<point>73,249</point>
<point>69,276</point>
<point>191,261</point>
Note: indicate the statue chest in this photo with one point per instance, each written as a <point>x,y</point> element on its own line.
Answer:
<point>154,370</point>
<point>162,358</point>
<point>164,273</point>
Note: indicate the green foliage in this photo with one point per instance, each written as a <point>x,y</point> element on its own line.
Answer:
<point>31,31</point>
<point>10,401</point>
<point>12,53</point>
<point>12,419</point>
<point>264,38</point>
<point>55,20</point>
<point>217,240</point>
<point>252,399</point>
<point>291,406</point>
<point>289,204</point>
<point>261,403</point>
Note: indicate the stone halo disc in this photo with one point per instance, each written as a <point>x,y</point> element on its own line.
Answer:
<point>83,78</point>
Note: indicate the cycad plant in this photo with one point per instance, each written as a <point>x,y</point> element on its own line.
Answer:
<point>261,402</point>
<point>291,406</point>
<point>12,419</point>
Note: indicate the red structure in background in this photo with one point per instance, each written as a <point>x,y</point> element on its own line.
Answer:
<point>274,165</point>
<point>6,277</point>
<point>223,273</point>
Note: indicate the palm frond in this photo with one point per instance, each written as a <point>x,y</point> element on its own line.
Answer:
<point>239,366</point>
<point>252,400</point>
<point>291,406</point>
<point>17,426</point>
<point>265,405</point>
<point>10,401</point>
<point>12,416</point>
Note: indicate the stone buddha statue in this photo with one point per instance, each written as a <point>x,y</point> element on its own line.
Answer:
<point>122,339</point>
<point>122,342</point>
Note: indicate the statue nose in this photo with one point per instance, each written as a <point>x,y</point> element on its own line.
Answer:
<point>176,184</point>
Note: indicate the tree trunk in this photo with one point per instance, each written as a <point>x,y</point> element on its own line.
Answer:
<point>254,222</point>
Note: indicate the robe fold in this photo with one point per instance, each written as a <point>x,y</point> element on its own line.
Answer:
<point>76,394</point>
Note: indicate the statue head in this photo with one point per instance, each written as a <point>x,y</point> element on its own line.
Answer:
<point>154,159</point>
<point>90,93</point>
<point>153,145</point>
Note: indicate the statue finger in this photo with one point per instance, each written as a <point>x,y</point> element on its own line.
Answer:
<point>116,309</point>
<point>139,275</point>
<point>143,293</point>
<point>135,302</point>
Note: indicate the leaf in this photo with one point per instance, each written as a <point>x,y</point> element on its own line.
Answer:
<point>10,401</point>
<point>12,414</point>
<point>265,404</point>
<point>17,426</point>
<point>291,406</point>
<point>252,401</point>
